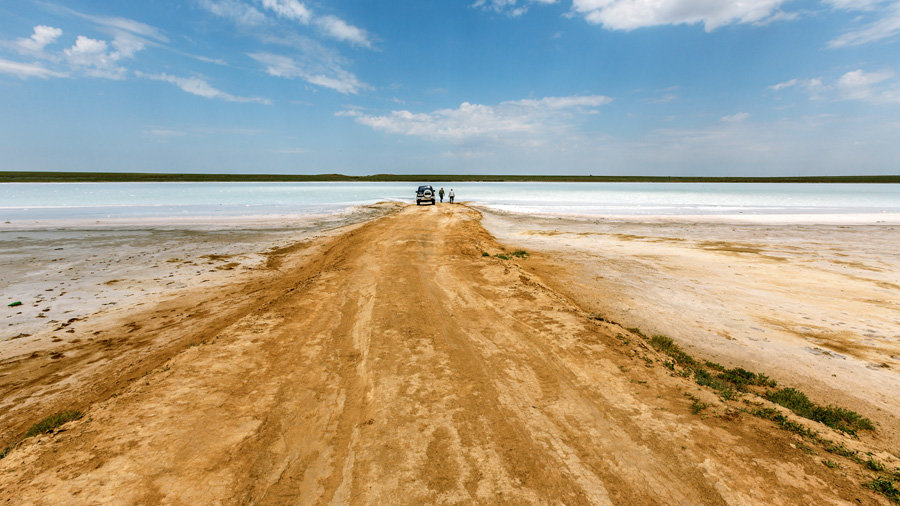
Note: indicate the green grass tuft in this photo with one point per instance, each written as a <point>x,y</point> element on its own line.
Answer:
<point>520,253</point>
<point>52,422</point>
<point>44,426</point>
<point>837,418</point>
<point>485,254</point>
<point>885,486</point>
<point>840,449</point>
<point>874,465</point>
<point>698,406</point>
<point>713,365</point>
<point>667,346</point>
<point>830,464</point>
<point>786,424</point>
<point>741,378</point>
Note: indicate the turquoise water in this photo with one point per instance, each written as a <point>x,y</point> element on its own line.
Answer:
<point>50,201</point>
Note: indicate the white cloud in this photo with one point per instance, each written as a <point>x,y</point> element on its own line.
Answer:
<point>315,65</point>
<point>234,10</point>
<point>87,56</point>
<point>886,24</point>
<point>877,87</point>
<point>25,70</point>
<point>129,36</point>
<point>859,5</point>
<point>95,59</point>
<point>512,8</point>
<point>200,87</point>
<point>527,120</point>
<point>562,102</point>
<point>861,85</point>
<point>664,99</point>
<point>736,117</point>
<point>42,36</point>
<point>786,84</point>
<point>632,14</point>
<point>338,29</point>
<point>290,9</point>
<point>116,25</point>
<point>814,87</point>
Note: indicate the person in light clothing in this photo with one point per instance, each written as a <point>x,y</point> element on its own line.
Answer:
<point>451,195</point>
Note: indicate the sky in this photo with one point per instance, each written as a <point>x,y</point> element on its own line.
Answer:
<point>613,87</point>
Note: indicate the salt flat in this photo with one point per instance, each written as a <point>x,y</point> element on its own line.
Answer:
<point>816,304</point>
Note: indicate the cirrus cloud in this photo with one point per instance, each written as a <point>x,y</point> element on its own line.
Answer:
<point>200,87</point>
<point>315,65</point>
<point>26,70</point>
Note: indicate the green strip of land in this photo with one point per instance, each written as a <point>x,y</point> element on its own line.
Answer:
<point>149,177</point>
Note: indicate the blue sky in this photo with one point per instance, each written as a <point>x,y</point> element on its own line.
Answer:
<point>676,87</point>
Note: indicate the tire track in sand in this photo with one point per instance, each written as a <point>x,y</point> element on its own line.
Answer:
<point>405,368</point>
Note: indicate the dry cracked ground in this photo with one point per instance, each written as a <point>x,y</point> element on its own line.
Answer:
<point>394,363</point>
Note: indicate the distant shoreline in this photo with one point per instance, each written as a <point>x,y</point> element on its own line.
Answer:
<point>136,177</point>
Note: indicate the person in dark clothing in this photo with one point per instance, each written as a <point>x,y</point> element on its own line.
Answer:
<point>441,194</point>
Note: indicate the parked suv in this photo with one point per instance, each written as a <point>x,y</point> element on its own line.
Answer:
<point>425,193</point>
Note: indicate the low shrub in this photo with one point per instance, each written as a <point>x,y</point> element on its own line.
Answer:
<point>52,422</point>
<point>837,418</point>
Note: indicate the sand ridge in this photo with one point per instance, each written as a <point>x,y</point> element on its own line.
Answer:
<point>395,363</point>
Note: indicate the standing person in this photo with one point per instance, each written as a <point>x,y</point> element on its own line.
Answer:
<point>441,194</point>
<point>451,195</point>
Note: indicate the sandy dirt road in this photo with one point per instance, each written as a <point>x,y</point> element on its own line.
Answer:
<point>394,364</point>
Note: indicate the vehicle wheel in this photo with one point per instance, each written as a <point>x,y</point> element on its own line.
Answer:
<point>432,202</point>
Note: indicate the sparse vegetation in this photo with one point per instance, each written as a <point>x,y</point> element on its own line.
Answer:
<point>841,419</point>
<point>713,365</point>
<point>520,253</point>
<point>485,254</point>
<point>885,486</point>
<point>697,406</point>
<point>667,346</point>
<point>730,382</point>
<point>785,423</point>
<point>501,256</point>
<point>830,464</point>
<point>839,449</point>
<point>874,465</point>
<point>52,422</point>
<point>805,448</point>
<point>45,426</point>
